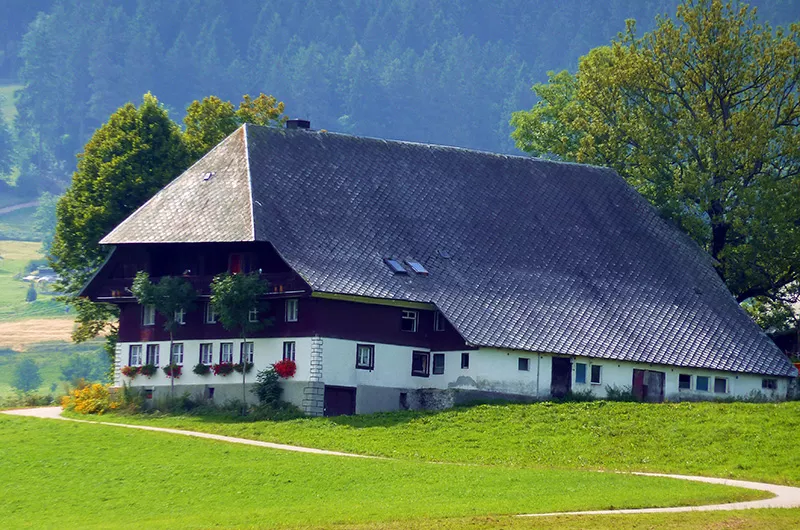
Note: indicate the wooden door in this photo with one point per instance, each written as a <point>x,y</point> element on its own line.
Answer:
<point>648,385</point>
<point>561,377</point>
<point>339,400</point>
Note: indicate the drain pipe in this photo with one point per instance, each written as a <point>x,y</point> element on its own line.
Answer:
<point>538,362</point>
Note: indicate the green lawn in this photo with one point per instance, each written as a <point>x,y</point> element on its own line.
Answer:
<point>68,475</point>
<point>755,441</point>
<point>16,254</point>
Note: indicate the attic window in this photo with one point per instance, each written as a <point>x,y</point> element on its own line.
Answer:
<point>417,267</point>
<point>396,266</point>
<point>208,176</point>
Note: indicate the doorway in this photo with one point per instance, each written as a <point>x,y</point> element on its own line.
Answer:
<point>561,377</point>
<point>340,401</point>
<point>648,385</point>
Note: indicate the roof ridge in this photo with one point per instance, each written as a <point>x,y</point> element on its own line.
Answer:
<point>249,181</point>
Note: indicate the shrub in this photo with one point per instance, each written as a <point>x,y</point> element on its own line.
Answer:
<point>30,296</point>
<point>268,388</point>
<point>27,399</point>
<point>222,369</point>
<point>285,368</point>
<point>91,399</point>
<point>622,393</point>
<point>173,370</point>
<point>201,369</point>
<point>130,371</point>
<point>148,369</point>
<point>579,396</point>
<point>130,401</point>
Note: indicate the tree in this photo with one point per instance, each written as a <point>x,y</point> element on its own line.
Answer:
<point>127,160</point>
<point>6,145</point>
<point>87,367</point>
<point>234,297</point>
<point>701,116</point>
<point>172,297</point>
<point>44,220</point>
<point>26,376</point>
<point>30,296</point>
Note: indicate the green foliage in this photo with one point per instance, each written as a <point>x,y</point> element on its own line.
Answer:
<point>617,393</point>
<point>26,376</point>
<point>701,116</point>
<point>87,367</point>
<point>6,146</point>
<point>30,295</point>
<point>44,220</point>
<point>268,388</point>
<point>170,295</point>
<point>356,490</point>
<point>201,369</point>
<point>233,296</point>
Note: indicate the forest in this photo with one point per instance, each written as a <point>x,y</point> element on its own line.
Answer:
<point>421,70</point>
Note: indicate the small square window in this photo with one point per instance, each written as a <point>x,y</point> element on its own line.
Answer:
<point>438,321</point>
<point>177,353</point>
<point>148,393</point>
<point>396,266</point>
<point>580,373</point>
<point>252,316</point>
<point>289,351</point>
<point>365,356</point>
<point>720,385</point>
<point>152,354</point>
<point>465,360</point>
<point>211,315</point>
<point>769,384</point>
<point>135,355</point>
<point>210,392</point>
<point>226,352</point>
<point>246,351</point>
<point>291,310</point>
<point>438,363</point>
<point>409,321</point>
<point>523,364</point>
<point>420,363</point>
<point>180,316</point>
<point>701,383</point>
<point>149,315</point>
<point>207,353</point>
<point>596,369</point>
<point>684,382</point>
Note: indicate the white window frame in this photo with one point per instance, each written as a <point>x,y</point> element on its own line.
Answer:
<point>148,315</point>
<point>252,316</point>
<point>411,315</point>
<point>211,315</point>
<point>226,352</point>
<point>180,316</point>
<point>207,353</point>
<point>250,355</point>
<point>438,321</point>
<point>599,380</point>
<point>291,309</point>
<point>177,353</point>
<point>289,350</point>
<point>135,359</point>
<point>152,358</point>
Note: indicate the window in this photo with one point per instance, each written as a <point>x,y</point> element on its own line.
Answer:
<point>177,353</point>
<point>701,383</point>
<point>395,265</point>
<point>149,315</point>
<point>291,310</point>
<point>226,352</point>
<point>246,352</point>
<point>152,354</point>
<point>365,356</point>
<point>769,384</point>
<point>210,392</point>
<point>148,393</point>
<point>180,316</point>
<point>720,385</point>
<point>465,360</point>
<point>135,355</point>
<point>438,321</point>
<point>596,369</point>
<point>417,267</point>
<point>409,321</point>
<point>288,351</point>
<point>420,363</point>
<point>438,363</point>
<point>684,382</point>
<point>523,364</point>
<point>211,315</point>
<point>580,373</point>
<point>207,353</point>
<point>252,316</point>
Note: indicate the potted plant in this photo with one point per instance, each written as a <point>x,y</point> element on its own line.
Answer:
<point>247,367</point>
<point>201,369</point>
<point>222,369</point>
<point>130,371</point>
<point>285,368</point>
<point>173,370</point>
<point>148,370</point>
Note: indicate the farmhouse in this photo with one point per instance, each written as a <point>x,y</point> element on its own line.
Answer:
<point>410,275</point>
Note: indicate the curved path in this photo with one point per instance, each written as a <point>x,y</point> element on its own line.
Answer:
<point>785,496</point>
<point>15,207</point>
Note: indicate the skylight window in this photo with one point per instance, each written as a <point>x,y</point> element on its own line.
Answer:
<point>396,266</point>
<point>417,267</point>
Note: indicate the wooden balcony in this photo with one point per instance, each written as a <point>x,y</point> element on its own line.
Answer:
<point>279,285</point>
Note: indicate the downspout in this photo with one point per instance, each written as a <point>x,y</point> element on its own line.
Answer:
<point>538,363</point>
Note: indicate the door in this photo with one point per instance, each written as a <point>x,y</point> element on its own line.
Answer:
<point>339,400</point>
<point>648,385</point>
<point>561,377</point>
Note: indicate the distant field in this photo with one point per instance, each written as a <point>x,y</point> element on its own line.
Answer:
<point>16,254</point>
<point>18,225</point>
<point>57,474</point>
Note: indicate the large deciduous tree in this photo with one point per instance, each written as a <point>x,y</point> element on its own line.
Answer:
<point>26,376</point>
<point>701,116</point>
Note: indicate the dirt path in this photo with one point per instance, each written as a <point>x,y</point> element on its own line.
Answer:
<point>785,496</point>
<point>9,209</point>
<point>19,334</point>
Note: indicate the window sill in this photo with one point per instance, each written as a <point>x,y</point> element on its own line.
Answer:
<point>419,375</point>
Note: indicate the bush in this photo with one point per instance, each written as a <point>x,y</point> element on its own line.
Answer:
<point>130,401</point>
<point>268,388</point>
<point>579,396</point>
<point>30,296</point>
<point>91,399</point>
<point>623,393</point>
<point>27,399</point>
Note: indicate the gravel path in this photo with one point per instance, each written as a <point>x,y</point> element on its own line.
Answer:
<point>15,207</point>
<point>785,496</point>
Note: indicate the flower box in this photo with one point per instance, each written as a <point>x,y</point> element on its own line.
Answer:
<point>201,369</point>
<point>222,369</point>
<point>238,367</point>
<point>173,370</point>
<point>130,371</point>
<point>148,370</point>
<point>285,368</point>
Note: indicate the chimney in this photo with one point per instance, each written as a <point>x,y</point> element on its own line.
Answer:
<point>298,124</point>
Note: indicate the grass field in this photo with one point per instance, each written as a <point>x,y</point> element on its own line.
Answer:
<point>61,474</point>
<point>755,441</point>
<point>18,225</point>
<point>16,254</point>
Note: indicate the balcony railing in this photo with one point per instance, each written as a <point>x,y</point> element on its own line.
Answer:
<point>119,288</point>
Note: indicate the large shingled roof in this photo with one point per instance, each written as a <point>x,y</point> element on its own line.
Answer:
<point>543,256</point>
